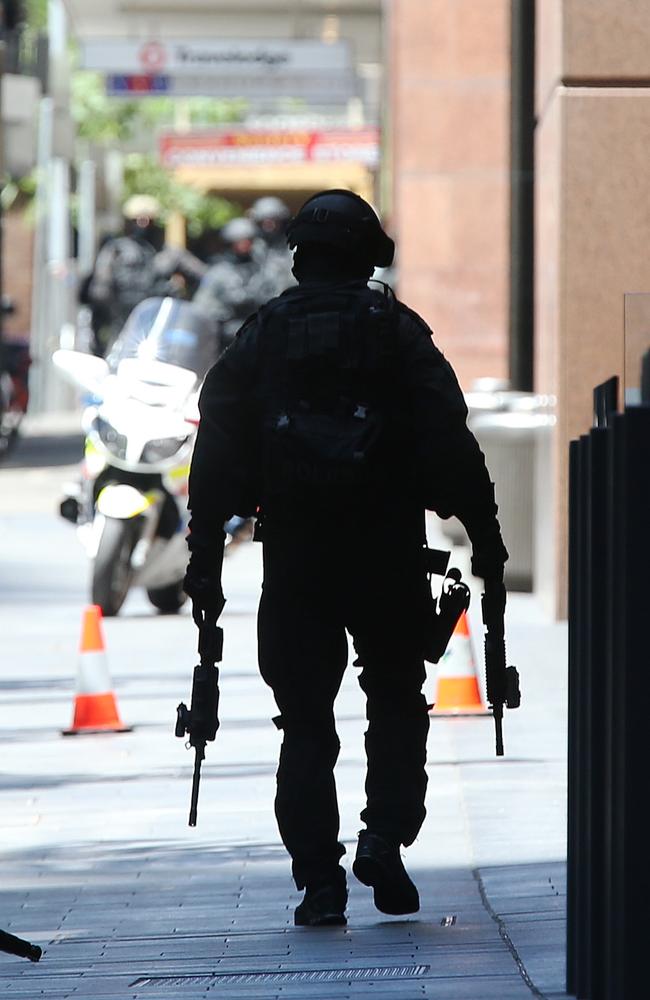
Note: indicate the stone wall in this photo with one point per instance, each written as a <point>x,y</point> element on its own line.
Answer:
<point>449,67</point>
<point>593,211</point>
<point>17,249</point>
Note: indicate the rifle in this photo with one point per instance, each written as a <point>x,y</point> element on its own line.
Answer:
<point>445,610</point>
<point>201,721</point>
<point>18,946</point>
<point>502,683</point>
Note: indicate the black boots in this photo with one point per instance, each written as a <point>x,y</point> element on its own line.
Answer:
<point>378,864</point>
<point>324,904</point>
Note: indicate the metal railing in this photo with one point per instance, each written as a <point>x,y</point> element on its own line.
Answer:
<point>609,702</point>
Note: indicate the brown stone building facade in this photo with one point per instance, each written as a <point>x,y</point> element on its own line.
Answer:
<point>450,110</point>
<point>18,246</point>
<point>449,67</point>
<point>592,209</point>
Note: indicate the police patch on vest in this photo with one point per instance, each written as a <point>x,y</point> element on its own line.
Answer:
<point>324,449</point>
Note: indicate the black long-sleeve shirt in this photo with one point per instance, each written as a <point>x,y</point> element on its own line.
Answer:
<point>451,473</point>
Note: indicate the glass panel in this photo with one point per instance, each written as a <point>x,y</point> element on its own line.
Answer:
<point>637,343</point>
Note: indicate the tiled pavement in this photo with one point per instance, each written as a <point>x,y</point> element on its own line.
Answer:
<point>100,868</point>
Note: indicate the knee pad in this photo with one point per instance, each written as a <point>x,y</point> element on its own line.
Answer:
<point>410,705</point>
<point>316,734</point>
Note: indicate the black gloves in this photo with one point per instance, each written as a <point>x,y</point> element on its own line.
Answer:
<point>202,584</point>
<point>489,556</point>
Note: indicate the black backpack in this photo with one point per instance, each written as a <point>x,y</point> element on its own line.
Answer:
<point>329,406</point>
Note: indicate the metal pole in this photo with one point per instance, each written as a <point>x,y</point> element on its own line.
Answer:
<point>58,249</point>
<point>86,227</point>
<point>576,583</point>
<point>628,843</point>
<point>600,585</point>
<point>114,180</point>
<point>581,762</point>
<point>2,159</point>
<point>522,163</point>
<point>39,311</point>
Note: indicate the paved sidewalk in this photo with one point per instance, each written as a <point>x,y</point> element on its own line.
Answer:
<point>100,868</point>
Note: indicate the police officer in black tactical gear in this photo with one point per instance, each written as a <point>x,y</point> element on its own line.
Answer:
<point>333,413</point>
<point>271,216</point>
<point>234,286</point>
<point>133,266</point>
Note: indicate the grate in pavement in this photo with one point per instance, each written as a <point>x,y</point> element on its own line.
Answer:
<point>294,976</point>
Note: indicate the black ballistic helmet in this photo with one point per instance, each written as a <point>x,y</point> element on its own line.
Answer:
<point>238,229</point>
<point>342,219</point>
<point>269,207</point>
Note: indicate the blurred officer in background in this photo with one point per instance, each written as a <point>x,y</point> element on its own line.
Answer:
<point>335,417</point>
<point>123,272</point>
<point>271,216</point>
<point>233,287</point>
<point>133,266</point>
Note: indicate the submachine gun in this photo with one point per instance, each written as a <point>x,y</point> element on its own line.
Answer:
<point>502,683</point>
<point>201,721</point>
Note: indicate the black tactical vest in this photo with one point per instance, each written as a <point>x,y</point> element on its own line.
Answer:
<point>328,396</point>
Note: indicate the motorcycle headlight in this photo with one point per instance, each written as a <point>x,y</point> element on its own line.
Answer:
<point>113,442</point>
<point>158,449</point>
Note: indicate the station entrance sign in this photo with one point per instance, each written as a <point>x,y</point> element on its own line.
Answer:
<point>266,147</point>
<point>303,68</point>
<point>137,84</point>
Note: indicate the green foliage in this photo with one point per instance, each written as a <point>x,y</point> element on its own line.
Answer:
<point>35,14</point>
<point>110,121</point>
<point>143,175</point>
<point>99,119</point>
<point>158,112</point>
<point>8,194</point>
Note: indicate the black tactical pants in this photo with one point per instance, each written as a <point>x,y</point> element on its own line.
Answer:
<point>319,580</point>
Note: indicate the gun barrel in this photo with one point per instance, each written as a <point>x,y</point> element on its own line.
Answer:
<point>196,781</point>
<point>498,730</point>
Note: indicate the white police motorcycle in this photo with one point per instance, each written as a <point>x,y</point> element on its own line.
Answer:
<point>140,420</point>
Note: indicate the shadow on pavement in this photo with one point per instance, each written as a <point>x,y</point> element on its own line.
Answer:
<point>37,451</point>
<point>150,919</point>
<point>37,782</point>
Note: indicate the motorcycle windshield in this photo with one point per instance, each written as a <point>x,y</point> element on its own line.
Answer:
<point>166,330</point>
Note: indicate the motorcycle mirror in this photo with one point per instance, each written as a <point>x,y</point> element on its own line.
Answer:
<point>85,371</point>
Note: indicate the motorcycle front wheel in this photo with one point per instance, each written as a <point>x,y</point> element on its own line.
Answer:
<point>169,599</point>
<point>112,570</point>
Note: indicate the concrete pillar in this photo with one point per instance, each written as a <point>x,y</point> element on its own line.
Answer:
<point>593,223</point>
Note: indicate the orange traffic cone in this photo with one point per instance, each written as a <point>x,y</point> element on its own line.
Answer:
<point>95,708</point>
<point>457,690</point>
